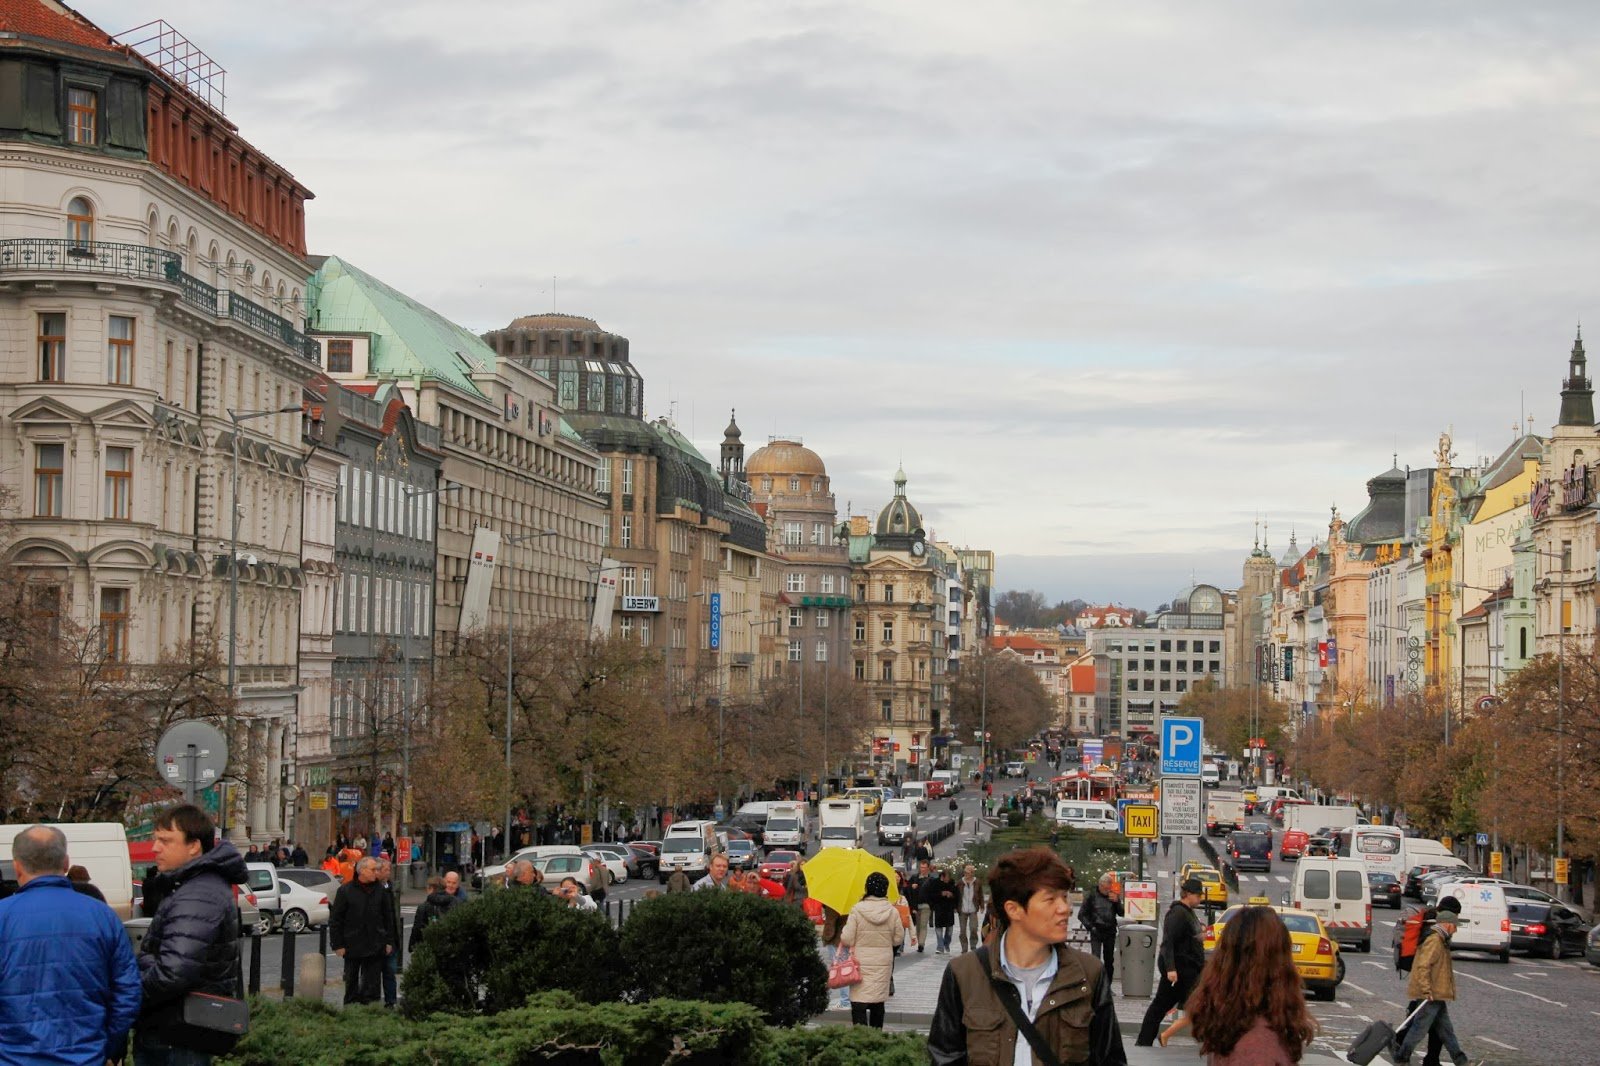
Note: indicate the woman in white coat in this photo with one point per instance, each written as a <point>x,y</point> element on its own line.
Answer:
<point>872,932</point>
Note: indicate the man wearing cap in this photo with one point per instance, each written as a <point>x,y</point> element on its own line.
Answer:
<point>1433,984</point>
<point>1182,957</point>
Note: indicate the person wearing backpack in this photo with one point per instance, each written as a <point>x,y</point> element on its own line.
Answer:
<point>1433,986</point>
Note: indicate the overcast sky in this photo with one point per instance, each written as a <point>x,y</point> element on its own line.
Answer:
<point>1109,278</point>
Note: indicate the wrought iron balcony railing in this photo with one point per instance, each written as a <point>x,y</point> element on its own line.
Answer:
<point>52,255</point>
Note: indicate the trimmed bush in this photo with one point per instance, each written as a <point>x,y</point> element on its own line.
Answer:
<point>492,953</point>
<point>555,1028</point>
<point>724,947</point>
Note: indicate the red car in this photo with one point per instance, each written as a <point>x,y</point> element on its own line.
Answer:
<point>934,788</point>
<point>778,865</point>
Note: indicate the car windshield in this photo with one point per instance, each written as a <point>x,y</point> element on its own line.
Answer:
<point>895,818</point>
<point>685,843</point>
<point>740,846</point>
<point>780,858</point>
<point>782,825</point>
<point>838,832</point>
<point>1301,923</point>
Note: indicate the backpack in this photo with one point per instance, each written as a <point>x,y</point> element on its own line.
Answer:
<point>1411,934</point>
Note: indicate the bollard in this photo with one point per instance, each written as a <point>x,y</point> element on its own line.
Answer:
<point>255,965</point>
<point>286,965</point>
<point>322,940</point>
<point>313,975</point>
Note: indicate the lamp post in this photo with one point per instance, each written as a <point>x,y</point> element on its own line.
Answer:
<point>405,669</point>
<point>511,632</point>
<point>1561,692</point>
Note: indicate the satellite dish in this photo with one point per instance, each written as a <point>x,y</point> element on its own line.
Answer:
<point>191,756</point>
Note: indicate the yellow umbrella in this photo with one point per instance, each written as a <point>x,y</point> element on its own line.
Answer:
<point>837,877</point>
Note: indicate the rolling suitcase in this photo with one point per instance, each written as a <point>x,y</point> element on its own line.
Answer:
<point>1377,1038</point>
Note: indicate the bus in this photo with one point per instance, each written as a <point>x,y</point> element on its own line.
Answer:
<point>1381,847</point>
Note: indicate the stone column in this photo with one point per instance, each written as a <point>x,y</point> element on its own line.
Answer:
<point>256,789</point>
<point>274,789</point>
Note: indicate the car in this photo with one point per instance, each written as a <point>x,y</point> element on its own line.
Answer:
<point>1250,851</point>
<point>647,853</point>
<point>615,866</point>
<point>491,874</point>
<point>1215,889</point>
<point>1318,847</point>
<point>871,800</point>
<point>262,877</point>
<point>743,854</point>
<point>301,908</point>
<point>1385,889</point>
<point>1293,844</point>
<point>1258,827</point>
<point>1591,947</point>
<point>629,862</point>
<point>779,865</point>
<point>1316,954</point>
<point>1430,885</point>
<point>1190,867</point>
<point>1548,929</point>
<point>311,877</point>
<point>1411,883</point>
<point>1014,769</point>
<point>934,788</point>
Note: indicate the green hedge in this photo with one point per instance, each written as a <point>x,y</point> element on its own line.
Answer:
<point>725,947</point>
<point>555,1028</point>
<point>490,954</point>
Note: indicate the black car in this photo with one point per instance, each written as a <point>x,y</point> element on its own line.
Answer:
<point>1250,851</point>
<point>1411,887</point>
<point>1385,889</point>
<point>1547,929</point>
<point>649,859</point>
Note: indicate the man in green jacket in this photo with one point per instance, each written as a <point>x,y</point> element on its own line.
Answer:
<point>1027,988</point>
<point>1433,982</point>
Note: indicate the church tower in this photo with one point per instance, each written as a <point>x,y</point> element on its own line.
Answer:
<point>732,451</point>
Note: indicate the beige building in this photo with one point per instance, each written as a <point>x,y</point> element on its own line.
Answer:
<point>151,269</point>
<point>1563,519</point>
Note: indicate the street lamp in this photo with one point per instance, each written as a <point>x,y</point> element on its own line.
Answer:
<point>511,632</point>
<point>1561,691</point>
<point>238,417</point>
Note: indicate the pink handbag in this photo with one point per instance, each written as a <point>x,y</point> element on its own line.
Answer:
<point>844,972</point>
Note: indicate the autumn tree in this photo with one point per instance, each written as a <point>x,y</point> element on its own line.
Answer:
<point>1000,691</point>
<point>1234,715</point>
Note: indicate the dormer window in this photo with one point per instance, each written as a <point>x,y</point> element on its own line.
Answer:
<point>83,110</point>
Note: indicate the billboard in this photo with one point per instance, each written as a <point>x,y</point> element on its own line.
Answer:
<point>605,597</point>
<point>716,621</point>
<point>480,580</point>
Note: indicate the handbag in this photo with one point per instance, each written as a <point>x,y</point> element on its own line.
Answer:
<point>1008,997</point>
<point>844,972</point>
<point>1377,1038</point>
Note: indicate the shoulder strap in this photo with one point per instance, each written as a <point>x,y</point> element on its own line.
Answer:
<point>1006,992</point>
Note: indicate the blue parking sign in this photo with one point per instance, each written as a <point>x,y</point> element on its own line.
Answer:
<point>1181,746</point>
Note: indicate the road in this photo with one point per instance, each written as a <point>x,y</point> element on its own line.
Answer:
<point>1528,1012</point>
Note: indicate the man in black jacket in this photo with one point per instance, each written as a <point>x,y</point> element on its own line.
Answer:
<point>1098,915</point>
<point>1182,957</point>
<point>192,944</point>
<point>361,930</point>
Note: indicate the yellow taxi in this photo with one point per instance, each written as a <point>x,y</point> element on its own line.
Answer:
<point>871,800</point>
<point>1216,890</point>
<point>1316,954</point>
<point>1188,868</point>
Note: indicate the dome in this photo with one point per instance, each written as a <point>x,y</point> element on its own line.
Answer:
<point>783,458</point>
<point>898,518</point>
<point>552,320</point>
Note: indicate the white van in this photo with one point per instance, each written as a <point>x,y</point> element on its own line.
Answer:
<point>1086,814</point>
<point>1336,891</point>
<point>688,846</point>
<point>896,822</point>
<point>99,847</point>
<point>951,779</point>
<point>1210,776</point>
<point>916,792</point>
<point>1265,794</point>
<point>1485,920</point>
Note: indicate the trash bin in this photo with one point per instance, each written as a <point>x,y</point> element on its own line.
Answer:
<point>1136,960</point>
<point>419,875</point>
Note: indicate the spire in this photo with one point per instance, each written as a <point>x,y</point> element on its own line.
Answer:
<point>900,481</point>
<point>1577,394</point>
<point>732,451</point>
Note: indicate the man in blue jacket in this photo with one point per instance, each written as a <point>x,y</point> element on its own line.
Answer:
<point>69,986</point>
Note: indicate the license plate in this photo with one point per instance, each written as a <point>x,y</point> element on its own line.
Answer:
<point>1296,948</point>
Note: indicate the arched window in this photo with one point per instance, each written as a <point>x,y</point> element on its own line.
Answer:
<point>214,254</point>
<point>153,228</point>
<point>189,252</point>
<point>172,236</point>
<point>80,221</point>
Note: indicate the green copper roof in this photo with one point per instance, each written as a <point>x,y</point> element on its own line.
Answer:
<point>409,340</point>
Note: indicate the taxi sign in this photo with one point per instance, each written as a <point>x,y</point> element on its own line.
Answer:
<point>1260,901</point>
<point>1496,863</point>
<point>1140,820</point>
<point>1562,866</point>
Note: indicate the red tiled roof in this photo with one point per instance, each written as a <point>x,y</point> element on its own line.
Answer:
<point>1016,643</point>
<point>1082,677</point>
<point>54,22</point>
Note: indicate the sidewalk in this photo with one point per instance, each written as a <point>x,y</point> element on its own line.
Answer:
<point>916,993</point>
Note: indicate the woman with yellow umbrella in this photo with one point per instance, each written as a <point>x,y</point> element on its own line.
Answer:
<point>836,881</point>
<point>872,932</point>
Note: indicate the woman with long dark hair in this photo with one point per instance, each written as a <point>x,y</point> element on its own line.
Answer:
<point>1249,1008</point>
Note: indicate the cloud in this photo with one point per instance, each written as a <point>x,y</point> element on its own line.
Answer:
<point>1110,280</point>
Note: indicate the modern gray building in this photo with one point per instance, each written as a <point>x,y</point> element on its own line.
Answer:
<point>1145,672</point>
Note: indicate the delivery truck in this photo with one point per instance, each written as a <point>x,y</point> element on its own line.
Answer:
<point>1224,813</point>
<point>1311,817</point>
<point>840,823</point>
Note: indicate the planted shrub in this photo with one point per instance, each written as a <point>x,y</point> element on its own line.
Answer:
<point>491,954</point>
<point>726,947</point>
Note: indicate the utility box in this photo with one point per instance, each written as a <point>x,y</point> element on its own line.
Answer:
<point>1136,960</point>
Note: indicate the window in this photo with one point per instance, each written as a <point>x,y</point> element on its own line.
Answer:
<point>1216,667</point>
<point>341,356</point>
<point>861,629</point>
<point>888,592</point>
<point>627,477</point>
<point>114,624</point>
<point>888,710</point>
<point>1183,645</point>
<point>1216,646</point>
<point>796,618</point>
<point>826,583</point>
<point>861,669</point>
<point>1183,686</point>
<point>119,483</point>
<point>119,350</point>
<point>1522,642</point>
<point>630,578</point>
<point>1166,645</point>
<point>794,484</point>
<point>1566,555</point>
<point>861,594</point>
<point>1133,684</point>
<point>52,346</point>
<point>793,532</point>
<point>794,651</point>
<point>794,582</point>
<point>82,116</point>
<point>602,476</point>
<point>888,631</point>
<point>80,222</point>
<point>627,528</point>
<point>47,479</point>
<point>819,532</point>
<point>886,670</point>
<point>822,651</point>
<point>820,618</point>
<point>922,669</point>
